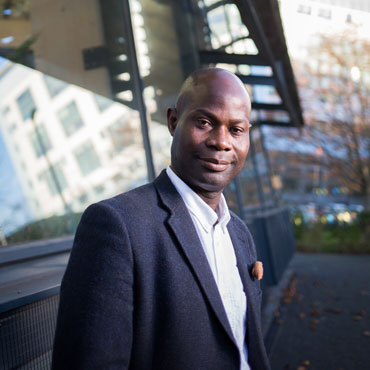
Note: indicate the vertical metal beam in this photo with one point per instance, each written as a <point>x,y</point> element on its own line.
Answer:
<point>239,197</point>
<point>50,167</point>
<point>268,165</point>
<point>138,88</point>
<point>261,196</point>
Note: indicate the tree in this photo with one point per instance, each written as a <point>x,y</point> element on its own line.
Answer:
<point>334,86</point>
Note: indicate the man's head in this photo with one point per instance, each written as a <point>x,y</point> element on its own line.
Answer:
<point>210,129</point>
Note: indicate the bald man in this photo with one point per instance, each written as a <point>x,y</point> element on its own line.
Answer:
<point>160,277</point>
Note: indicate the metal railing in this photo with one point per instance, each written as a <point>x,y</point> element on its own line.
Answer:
<point>27,327</point>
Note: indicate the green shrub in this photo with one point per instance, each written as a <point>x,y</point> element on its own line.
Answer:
<point>51,227</point>
<point>336,238</point>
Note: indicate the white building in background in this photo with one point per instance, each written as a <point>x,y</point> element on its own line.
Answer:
<point>93,144</point>
<point>302,19</point>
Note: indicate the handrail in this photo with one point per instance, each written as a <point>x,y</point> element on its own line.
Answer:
<point>31,298</point>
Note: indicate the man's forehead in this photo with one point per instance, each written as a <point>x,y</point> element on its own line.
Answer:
<point>200,86</point>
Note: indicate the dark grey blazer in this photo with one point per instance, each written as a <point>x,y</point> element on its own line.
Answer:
<point>138,292</point>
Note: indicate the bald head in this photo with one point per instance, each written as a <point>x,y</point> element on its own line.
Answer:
<point>203,81</point>
<point>210,129</point>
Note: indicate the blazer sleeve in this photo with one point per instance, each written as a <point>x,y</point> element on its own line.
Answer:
<point>94,325</point>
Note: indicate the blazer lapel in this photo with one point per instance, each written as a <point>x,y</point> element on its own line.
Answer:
<point>244,264</point>
<point>182,225</point>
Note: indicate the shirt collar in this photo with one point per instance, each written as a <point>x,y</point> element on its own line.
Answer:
<point>206,216</point>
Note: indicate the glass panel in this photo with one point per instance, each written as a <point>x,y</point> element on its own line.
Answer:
<point>220,27</point>
<point>102,102</point>
<point>159,30</point>
<point>70,118</point>
<point>54,178</point>
<point>40,140</point>
<point>87,158</point>
<point>54,85</point>
<point>26,104</point>
<point>69,155</point>
<point>92,143</point>
<point>249,186</point>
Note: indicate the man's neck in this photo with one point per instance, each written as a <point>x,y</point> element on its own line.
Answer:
<point>212,199</point>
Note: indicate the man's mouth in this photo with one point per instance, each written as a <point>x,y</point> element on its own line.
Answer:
<point>213,164</point>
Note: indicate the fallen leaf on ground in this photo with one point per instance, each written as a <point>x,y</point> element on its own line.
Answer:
<point>313,324</point>
<point>357,318</point>
<point>287,300</point>
<point>301,315</point>
<point>333,310</point>
<point>316,313</point>
<point>361,313</point>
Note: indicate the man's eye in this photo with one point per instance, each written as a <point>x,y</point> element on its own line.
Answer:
<point>203,122</point>
<point>237,130</point>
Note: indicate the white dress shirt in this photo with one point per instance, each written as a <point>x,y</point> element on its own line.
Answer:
<point>212,230</point>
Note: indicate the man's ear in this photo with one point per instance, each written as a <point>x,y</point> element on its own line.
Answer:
<point>172,120</point>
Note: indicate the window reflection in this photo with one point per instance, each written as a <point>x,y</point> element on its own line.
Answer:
<point>71,149</point>
<point>70,118</point>
<point>159,48</point>
<point>26,104</point>
<point>54,178</point>
<point>87,158</point>
<point>102,102</point>
<point>54,85</point>
<point>40,141</point>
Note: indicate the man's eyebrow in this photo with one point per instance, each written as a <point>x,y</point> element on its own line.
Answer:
<point>206,112</point>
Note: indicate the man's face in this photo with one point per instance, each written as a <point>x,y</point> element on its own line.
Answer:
<point>210,134</point>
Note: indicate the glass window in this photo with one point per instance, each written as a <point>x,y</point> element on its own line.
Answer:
<point>70,118</point>
<point>163,62</point>
<point>87,158</point>
<point>54,85</point>
<point>54,178</point>
<point>102,102</point>
<point>304,9</point>
<point>122,134</point>
<point>324,13</point>
<point>99,189</point>
<point>40,141</point>
<point>26,104</point>
<point>12,127</point>
<point>83,198</point>
<point>54,55</point>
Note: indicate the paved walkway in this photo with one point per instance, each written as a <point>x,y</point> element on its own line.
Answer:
<point>324,318</point>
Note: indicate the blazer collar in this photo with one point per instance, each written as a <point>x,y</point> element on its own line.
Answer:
<point>183,227</point>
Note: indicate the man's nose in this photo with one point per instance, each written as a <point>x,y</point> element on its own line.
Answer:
<point>219,138</point>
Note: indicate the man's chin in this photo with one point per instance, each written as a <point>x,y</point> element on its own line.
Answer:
<point>212,182</point>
